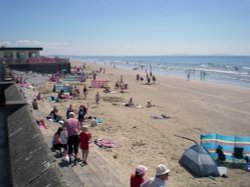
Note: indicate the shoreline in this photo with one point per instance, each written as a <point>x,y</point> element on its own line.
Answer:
<point>181,73</point>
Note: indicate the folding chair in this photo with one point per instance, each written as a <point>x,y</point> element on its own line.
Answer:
<point>238,154</point>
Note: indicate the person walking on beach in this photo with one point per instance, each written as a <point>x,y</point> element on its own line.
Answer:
<point>81,113</point>
<point>97,98</point>
<point>70,109</point>
<point>85,91</point>
<point>85,137</point>
<point>153,79</point>
<point>137,178</point>
<point>73,128</point>
<point>161,176</point>
<point>137,77</point>
<point>188,76</point>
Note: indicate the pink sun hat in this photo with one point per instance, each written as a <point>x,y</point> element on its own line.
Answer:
<point>141,169</point>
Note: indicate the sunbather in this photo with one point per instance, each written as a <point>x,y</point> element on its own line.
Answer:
<point>130,103</point>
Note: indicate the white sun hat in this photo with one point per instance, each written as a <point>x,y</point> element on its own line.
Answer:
<point>161,170</point>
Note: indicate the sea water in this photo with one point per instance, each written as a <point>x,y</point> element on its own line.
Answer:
<point>230,70</point>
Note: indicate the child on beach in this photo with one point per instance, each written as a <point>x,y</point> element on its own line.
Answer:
<point>85,136</point>
<point>149,104</point>
<point>137,178</point>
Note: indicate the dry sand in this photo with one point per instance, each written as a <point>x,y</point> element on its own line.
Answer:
<point>194,107</point>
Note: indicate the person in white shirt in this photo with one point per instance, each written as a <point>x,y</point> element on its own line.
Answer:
<point>161,176</point>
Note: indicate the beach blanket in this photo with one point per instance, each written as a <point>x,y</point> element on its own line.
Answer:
<point>99,84</point>
<point>211,141</point>
<point>106,143</point>
<point>41,124</point>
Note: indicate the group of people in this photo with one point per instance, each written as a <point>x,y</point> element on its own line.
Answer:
<point>131,103</point>
<point>159,180</point>
<point>70,137</point>
<point>148,78</point>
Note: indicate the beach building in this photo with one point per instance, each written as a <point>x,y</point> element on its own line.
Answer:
<point>29,59</point>
<point>19,54</point>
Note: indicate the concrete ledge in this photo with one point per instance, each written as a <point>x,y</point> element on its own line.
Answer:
<point>31,164</point>
<point>25,158</point>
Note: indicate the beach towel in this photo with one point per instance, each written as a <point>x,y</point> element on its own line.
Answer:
<point>99,84</point>
<point>106,143</point>
<point>98,120</point>
<point>41,124</point>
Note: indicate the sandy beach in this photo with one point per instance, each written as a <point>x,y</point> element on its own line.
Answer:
<point>194,108</point>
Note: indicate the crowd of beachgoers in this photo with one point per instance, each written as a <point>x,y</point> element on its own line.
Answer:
<point>133,114</point>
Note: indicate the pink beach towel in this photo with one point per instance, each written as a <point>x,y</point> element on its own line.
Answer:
<point>106,143</point>
<point>99,84</point>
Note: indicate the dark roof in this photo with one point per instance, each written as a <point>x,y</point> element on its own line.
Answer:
<point>20,48</point>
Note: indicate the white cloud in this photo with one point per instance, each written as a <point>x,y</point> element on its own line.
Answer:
<point>5,43</point>
<point>33,43</point>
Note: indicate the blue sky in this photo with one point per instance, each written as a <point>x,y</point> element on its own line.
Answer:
<point>127,27</point>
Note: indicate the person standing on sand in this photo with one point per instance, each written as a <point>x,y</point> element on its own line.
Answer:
<point>85,136</point>
<point>73,128</point>
<point>97,98</point>
<point>162,174</point>
<point>137,77</point>
<point>188,76</point>
<point>35,104</point>
<point>70,109</point>
<point>85,91</point>
<point>154,79</point>
<point>81,113</point>
<point>136,179</point>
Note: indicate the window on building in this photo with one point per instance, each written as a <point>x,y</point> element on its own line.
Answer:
<point>20,55</point>
<point>32,55</point>
<point>8,55</point>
